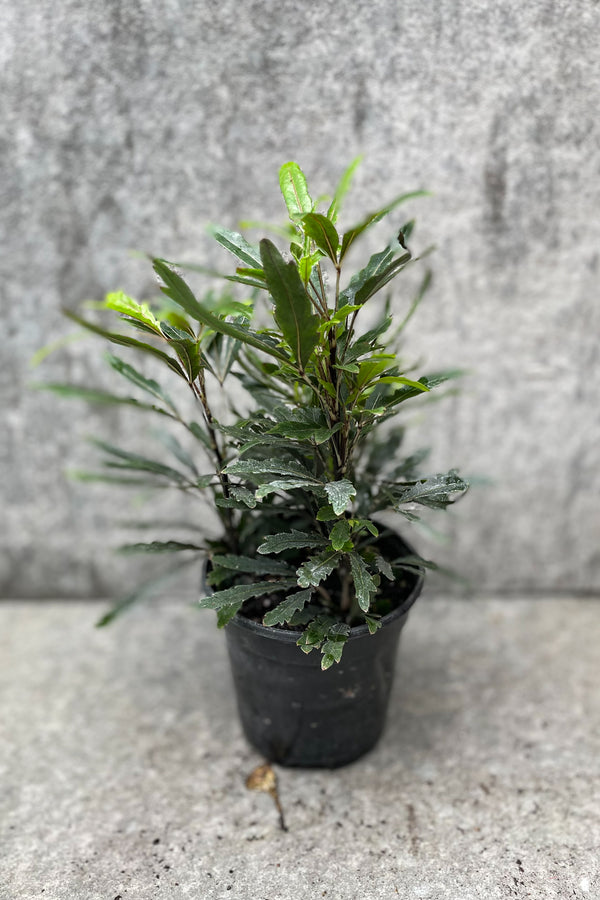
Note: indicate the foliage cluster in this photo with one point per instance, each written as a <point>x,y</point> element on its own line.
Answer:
<point>300,480</point>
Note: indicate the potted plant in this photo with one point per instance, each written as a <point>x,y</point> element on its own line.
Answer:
<point>311,587</point>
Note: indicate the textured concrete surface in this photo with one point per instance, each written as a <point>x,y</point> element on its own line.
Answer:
<point>122,765</point>
<point>132,126</point>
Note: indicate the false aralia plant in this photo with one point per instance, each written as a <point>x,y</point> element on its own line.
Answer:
<point>301,478</point>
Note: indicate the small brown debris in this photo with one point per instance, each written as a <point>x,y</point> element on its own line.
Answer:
<point>264,779</point>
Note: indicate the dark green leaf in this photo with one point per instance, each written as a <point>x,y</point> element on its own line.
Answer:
<point>98,397</point>
<point>364,585</point>
<point>144,591</point>
<point>333,646</point>
<point>158,547</point>
<point>351,235</point>
<point>380,279</point>
<point>139,463</point>
<point>237,245</point>
<point>287,484</point>
<point>292,540</point>
<point>436,492</point>
<point>125,341</point>
<point>317,568</point>
<point>242,592</point>
<point>285,610</point>
<point>146,384</point>
<point>293,309</point>
<point>322,231</point>
<point>177,289</point>
<point>248,467</point>
<point>251,564</point>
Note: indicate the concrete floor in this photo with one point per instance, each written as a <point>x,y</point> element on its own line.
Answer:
<point>122,764</point>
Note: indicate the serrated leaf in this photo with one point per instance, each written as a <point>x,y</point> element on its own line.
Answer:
<point>436,492</point>
<point>293,309</point>
<point>238,245</point>
<point>316,632</point>
<point>268,467</point>
<point>384,567</point>
<point>285,610</point>
<point>333,647</point>
<point>243,495</point>
<point>355,232</point>
<point>290,540</point>
<point>252,565</point>
<point>317,568</point>
<point>323,232</point>
<point>340,534</point>
<point>157,547</point>
<point>340,493</point>
<point>364,585</point>
<point>286,484</point>
<point>294,188</point>
<point>241,592</point>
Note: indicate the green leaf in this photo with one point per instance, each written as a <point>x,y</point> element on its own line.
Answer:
<point>340,534</point>
<point>332,648</point>
<point>237,245</point>
<point>139,463</point>
<point>290,540</point>
<point>171,443</point>
<point>248,467</point>
<point>293,309</point>
<point>242,592</point>
<point>377,264</point>
<point>98,397</point>
<point>342,189</point>
<point>251,564</point>
<point>144,591</point>
<point>326,514</point>
<point>299,431</point>
<point>125,341</point>
<point>436,492</point>
<point>351,235</point>
<point>243,495</point>
<point>176,288</point>
<point>317,568</point>
<point>373,623</point>
<point>287,484</point>
<point>158,547</point>
<point>323,232</point>
<point>384,567</point>
<point>380,279</point>
<point>146,384</point>
<point>364,585</point>
<point>127,306</point>
<point>285,610</point>
<point>295,190</point>
<point>313,636</point>
<point>340,493</point>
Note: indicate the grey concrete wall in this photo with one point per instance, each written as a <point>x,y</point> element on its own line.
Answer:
<point>132,125</point>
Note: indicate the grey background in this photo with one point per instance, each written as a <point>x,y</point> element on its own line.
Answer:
<point>133,125</point>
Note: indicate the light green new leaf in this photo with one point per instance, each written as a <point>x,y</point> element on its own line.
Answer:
<point>364,585</point>
<point>293,309</point>
<point>127,306</point>
<point>294,188</point>
<point>285,610</point>
<point>292,540</point>
<point>323,232</point>
<point>340,493</point>
<point>340,534</point>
